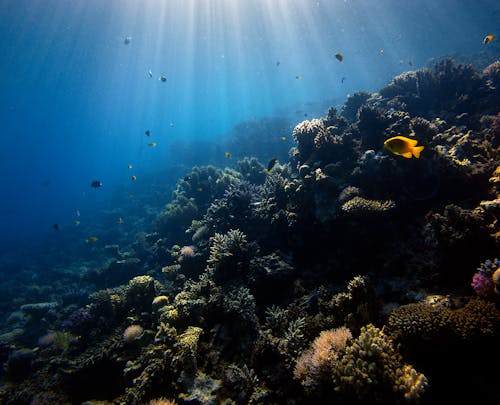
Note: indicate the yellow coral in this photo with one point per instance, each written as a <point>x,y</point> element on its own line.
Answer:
<point>189,339</point>
<point>360,205</point>
<point>411,383</point>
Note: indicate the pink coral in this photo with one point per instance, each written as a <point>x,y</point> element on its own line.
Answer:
<point>482,284</point>
<point>316,361</point>
<point>187,252</point>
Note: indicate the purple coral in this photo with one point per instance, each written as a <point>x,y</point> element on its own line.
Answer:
<point>79,321</point>
<point>482,285</point>
<point>482,281</point>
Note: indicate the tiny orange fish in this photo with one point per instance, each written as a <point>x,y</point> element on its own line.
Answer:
<point>488,38</point>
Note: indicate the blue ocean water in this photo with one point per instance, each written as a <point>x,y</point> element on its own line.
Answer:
<point>76,99</point>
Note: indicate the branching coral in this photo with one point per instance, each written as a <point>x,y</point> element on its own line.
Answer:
<point>353,103</point>
<point>305,133</point>
<point>252,170</point>
<point>192,197</point>
<point>229,249</point>
<point>235,209</point>
<point>240,302</point>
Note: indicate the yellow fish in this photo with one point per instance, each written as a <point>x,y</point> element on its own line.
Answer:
<point>91,239</point>
<point>402,146</point>
<point>152,144</point>
<point>134,178</point>
<point>339,56</point>
<point>76,222</point>
<point>119,221</point>
<point>488,38</point>
<point>228,155</point>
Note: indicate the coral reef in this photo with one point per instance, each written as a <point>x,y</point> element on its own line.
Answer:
<point>332,278</point>
<point>192,197</point>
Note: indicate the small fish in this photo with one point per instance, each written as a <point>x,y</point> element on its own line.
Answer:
<point>278,63</point>
<point>134,178</point>
<point>152,144</point>
<point>343,79</point>
<point>55,227</point>
<point>162,78</point>
<point>199,189</point>
<point>127,40</point>
<point>228,155</point>
<point>77,212</point>
<point>119,221</point>
<point>402,146</point>
<point>271,165</point>
<point>488,38</point>
<point>150,73</point>
<point>298,77</point>
<point>339,57</point>
<point>283,138</point>
<point>91,239</point>
<point>171,125</point>
<point>381,51</point>
<point>147,132</point>
<point>96,184</point>
<point>76,222</point>
<point>410,63</point>
<point>129,166</point>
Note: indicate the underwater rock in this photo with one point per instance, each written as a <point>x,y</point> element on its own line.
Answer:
<point>19,364</point>
<point>38,309</point>
<point>9,338</point>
